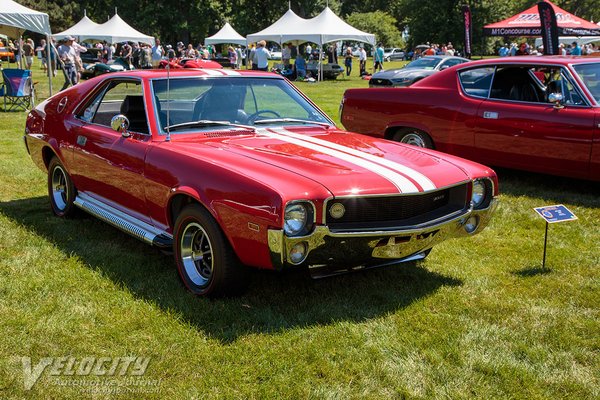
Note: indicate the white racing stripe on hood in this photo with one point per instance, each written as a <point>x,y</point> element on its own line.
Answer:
<point>403,184</point>
<point>229,72</point>
<point>212,72</point>
<point>423,181</point>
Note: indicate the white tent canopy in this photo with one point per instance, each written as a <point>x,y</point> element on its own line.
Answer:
<point>332,28</point>
<point>324,28</point>
<point>83,27</point>
<point>15,18</point>
<point>116,30</point>
<point>289,23</point>
<point>226,35</point>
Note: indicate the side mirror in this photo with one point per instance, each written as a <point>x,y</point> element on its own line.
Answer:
<point>120,123</point>
<point>556,99</point>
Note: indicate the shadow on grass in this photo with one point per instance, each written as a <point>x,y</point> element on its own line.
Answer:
<point>553,189</point>
<point>274,302</point>
<point>532,271</point>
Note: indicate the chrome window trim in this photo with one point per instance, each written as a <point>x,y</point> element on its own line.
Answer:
<point>462,88</point>
<point>106,83</point>
<point>161,132</point>
<point>562,67</point>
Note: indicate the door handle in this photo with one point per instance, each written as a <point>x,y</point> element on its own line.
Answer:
<point>490,115</point>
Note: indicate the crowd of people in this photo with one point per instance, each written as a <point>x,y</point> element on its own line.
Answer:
<point>570,49</point>
<point>67,55</point>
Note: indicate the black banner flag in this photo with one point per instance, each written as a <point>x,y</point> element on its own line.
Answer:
<point>549,28</point>
<point>466,10</point>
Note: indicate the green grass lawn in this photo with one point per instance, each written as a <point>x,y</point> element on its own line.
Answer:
<point>477,319</point>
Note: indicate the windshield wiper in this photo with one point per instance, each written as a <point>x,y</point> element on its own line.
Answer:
<point>303,121</point>
<point>206,122</point>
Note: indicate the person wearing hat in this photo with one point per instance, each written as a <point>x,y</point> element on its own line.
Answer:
<point>68,55</point>
<point>575,50</point>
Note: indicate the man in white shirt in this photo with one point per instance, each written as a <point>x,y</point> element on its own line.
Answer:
<point>286,55</point>
<point>261,56</point>
<point>362,61</point>
<point>68,55</point>
<point>158,53</point>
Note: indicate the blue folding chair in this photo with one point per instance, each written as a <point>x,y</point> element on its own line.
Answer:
<point>17,89</point>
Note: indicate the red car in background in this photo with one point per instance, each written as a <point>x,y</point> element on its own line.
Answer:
<point>538,114</point>
<point>238,167</point>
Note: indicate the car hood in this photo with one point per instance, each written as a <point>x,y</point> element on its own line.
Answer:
<point>402,73</point>
<point>344,163</point>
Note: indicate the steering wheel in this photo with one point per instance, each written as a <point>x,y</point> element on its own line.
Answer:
<point>262,113</point>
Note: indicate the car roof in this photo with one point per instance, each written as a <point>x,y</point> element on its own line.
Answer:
<point>193,72</point>
<point>561,60</point>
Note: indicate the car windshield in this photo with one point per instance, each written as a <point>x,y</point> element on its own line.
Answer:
<point>590,75</point>
<point>198,103</point>
<point>424,63</point>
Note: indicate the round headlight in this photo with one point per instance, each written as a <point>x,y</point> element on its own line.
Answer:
<point>478,195</point>
<point>296,218</point>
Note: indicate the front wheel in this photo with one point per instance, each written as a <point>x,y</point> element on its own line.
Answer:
<point>413,136</point>
<point>205,260</point>
<point>61,190</point>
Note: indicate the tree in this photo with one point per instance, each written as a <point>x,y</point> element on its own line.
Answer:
<point>379,23</point>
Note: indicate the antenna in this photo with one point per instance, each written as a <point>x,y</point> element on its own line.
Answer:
<point>168,139</point>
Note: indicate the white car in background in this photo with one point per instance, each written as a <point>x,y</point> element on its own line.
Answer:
<point>390,54</point>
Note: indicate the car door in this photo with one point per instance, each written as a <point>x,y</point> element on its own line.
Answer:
<point>517,126</point>
<point>108,165</point>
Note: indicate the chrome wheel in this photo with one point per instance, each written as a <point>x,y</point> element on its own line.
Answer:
<point>413,138</point>
<point>205,260</point>
<point>196,254</point>
<point>60,188</point>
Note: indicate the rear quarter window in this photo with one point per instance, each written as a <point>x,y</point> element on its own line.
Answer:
<point>477,81</point>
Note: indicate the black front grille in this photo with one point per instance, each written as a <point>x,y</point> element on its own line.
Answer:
<point>380,82</point>
<point>397,212</point>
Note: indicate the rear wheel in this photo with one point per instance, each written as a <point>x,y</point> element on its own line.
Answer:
<point>205,260</point>
<point>413,136</point>
<point>61,190</point>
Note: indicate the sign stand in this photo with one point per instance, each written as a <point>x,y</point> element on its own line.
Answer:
<point>553,214</point>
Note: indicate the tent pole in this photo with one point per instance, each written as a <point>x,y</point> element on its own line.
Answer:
<point>20,51</point>
<point>49,63</point>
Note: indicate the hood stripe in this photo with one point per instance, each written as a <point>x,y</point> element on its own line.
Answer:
<point>403,184</point>
<point>212,72</point>
<point>229,72</point>
<point>422,180</point>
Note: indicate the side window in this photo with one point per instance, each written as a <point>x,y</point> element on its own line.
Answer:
<point>477,81</point>
<point>555,80</point>
<point>452,63</point>
<point>517,83</point>
<point>119,97</point>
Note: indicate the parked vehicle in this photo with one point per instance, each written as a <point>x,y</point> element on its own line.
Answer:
<point>533,113</point>
<point>6,54</point>
<point>239,167</point>
<point>390,54</point>
<point>95,69</point>
<point>414,71</point>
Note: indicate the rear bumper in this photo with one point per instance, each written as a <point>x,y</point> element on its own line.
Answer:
<point>325,247</point>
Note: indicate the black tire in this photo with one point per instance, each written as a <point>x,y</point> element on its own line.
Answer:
<point>413,136</point>
<point>61,190</point>
<point>205,260</point>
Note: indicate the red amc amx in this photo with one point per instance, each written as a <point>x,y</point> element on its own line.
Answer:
<point>233,168</point>
<point>538,114</point>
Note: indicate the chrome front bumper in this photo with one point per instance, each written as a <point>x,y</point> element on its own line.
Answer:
<point>325,247</point>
